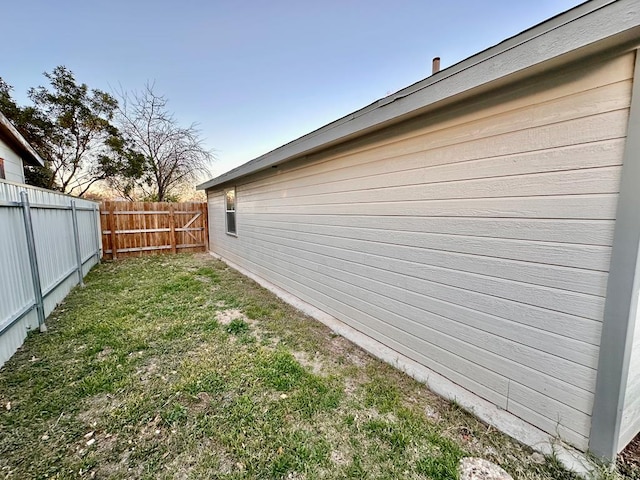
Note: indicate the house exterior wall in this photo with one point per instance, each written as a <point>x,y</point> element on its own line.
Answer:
<point>474,241</point>
<point>630,424</point>
<point>13,167</point>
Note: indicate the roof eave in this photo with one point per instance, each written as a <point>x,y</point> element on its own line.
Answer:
<point>584,30</point>
<point>27,151</point>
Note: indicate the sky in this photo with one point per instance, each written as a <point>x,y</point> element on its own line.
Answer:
<point>254,75</point>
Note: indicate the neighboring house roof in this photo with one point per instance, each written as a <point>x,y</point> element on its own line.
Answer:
<point>587,29</point>
<point>10,134</point>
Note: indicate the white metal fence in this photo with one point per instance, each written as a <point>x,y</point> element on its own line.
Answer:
<point>48,242</point>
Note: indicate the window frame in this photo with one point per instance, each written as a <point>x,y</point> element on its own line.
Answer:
<point>228,210</point>
<point>3,173</point>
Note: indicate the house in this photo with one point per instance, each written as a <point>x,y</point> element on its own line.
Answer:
<point>15,153</point>
<point>478,229</point>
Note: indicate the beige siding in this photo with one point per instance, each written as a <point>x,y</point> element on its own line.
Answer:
<point>13,168</point>
<point>630,424</point>
<point>475,240</point>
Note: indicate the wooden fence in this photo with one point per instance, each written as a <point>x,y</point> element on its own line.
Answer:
<point>141,228</point>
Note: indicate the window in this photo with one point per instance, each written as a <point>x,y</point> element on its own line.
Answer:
<point>230,208</point>
<point>2,174</point>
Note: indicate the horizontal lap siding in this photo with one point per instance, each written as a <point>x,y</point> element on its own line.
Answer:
<point>13,169</point>
<point>630,423</point>
<point>475,241</point>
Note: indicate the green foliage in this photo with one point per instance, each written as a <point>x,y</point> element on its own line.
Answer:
<point>442,467</point>
<point>210,273</point>
<point>122,162</point>
<point>209,382</point>
<point>256,311</point>
<point>155,197</point>
<point>174,414</point>
<point>355,470</point>
<point>181,284</point>
<point>7,105</point>
<point>381,394</point>
<point>78,129</point>
<point>237,326</point>
<point>36,129</point>
<point>442,464</point>
<point>40,176</point>
<point>389,433</point>
<point>85,136</point>
<point>297,450</point>
<point>280,370</point>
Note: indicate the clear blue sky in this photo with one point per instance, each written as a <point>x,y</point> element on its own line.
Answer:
<point>254,74</point>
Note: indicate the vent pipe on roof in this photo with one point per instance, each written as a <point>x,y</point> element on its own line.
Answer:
<point>436,66</point>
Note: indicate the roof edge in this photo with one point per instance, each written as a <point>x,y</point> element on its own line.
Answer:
<point>582,26</point>
<point>29,152</point>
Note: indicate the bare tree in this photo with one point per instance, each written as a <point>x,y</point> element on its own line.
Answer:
<point>173,155</point>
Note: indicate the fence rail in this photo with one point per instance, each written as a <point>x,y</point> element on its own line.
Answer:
<point>48,242</point>
<point>141,228</point>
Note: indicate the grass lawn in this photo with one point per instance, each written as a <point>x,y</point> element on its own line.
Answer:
<point>179,367</point>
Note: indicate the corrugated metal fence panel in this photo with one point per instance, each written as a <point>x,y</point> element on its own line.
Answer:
<point>16,289</point>
<point>55,245</point>
<point>87,228</point>
<point>52,218</point>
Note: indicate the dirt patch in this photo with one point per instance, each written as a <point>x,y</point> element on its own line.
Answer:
<point>119,468</point>
<point>629,458</point>
<point>187,465</point>
<point>148,371</point>
<point>154,428</point>
<point>432,413</point>
<point>352,385</point>
<point>314,364</point>
<point>106,442</point>
<point>101,444</point>
<point>367,414</point>
<point>225,317</point>
<point>338,458</point>
<point>295,476</point>
<point>359,359</point>
<point>104,354</point>
<point>96,407</point>
<point>233,315</point>
<point>200,403</point>
<point>339,347</point>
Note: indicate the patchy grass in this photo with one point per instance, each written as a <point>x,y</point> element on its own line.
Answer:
<point>179,367</point>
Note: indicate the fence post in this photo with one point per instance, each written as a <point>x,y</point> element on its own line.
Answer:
<point>97,231</point>
<point>172,226</point>
<point>112,227</point>
<point>76,237</point>
<point>33,260</point>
